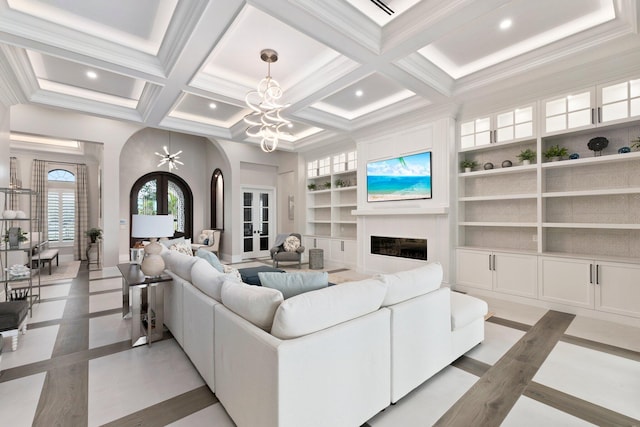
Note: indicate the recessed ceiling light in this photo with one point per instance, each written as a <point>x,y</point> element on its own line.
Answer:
<point>213,106</point>
<point>92,75</point>
<point>359,93</point>
<point>505,24</point>
<point>290,125</point>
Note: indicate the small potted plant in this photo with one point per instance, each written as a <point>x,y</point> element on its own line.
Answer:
<point>555,153</point>
<point>339,183</point>
<point>311,187</point>
<point>467,165</point>
<point>93,234</point>
<point>635,143</point>
<point>14,236</point>
<point>526,156</point>
<point>327,185</point>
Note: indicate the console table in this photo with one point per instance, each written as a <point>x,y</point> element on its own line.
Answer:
<point>143,301</point>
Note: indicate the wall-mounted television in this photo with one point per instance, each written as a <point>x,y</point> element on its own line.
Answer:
<point>400,178</point>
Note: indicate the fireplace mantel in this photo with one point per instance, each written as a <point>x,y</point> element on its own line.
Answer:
<point>439,210</point>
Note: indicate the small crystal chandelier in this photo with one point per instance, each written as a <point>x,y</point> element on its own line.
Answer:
<point>172,159</point>
<point>264,120</point>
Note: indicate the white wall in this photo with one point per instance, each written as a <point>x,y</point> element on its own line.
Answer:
<point>408,218</point>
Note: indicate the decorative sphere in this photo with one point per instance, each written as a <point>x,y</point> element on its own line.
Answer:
<point>488,166</point>
<point>21,215</point>
<point>507,164</point>
<point>9,214</point>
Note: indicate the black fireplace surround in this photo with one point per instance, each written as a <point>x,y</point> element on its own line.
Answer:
<point>399,247</point>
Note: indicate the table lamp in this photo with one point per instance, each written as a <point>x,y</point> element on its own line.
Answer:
<point>152,227</point>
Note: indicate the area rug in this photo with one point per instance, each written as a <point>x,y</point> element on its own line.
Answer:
<point>64,271</point>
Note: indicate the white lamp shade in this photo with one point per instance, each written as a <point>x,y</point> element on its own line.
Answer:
<point>152,226</point>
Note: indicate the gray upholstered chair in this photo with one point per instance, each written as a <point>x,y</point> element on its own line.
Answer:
<point>278,252</point>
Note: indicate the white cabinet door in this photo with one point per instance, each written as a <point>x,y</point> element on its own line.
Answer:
<point>569,112</point>
<point>474,269</point>
<point>351,252</point>
<point>619,101</point>
<point>617,288</point>
<point>324,243</point>
<point>567,281</point>
<point>336,254</point>
<point>516,274</point>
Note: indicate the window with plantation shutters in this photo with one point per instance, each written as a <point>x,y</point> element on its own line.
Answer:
<point>61,200</point>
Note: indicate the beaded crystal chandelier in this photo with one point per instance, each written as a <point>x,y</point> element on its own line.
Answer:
<point>264,120</point>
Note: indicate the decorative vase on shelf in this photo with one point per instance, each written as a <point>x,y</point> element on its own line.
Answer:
<point>9,214</point>
<point>624,150</point>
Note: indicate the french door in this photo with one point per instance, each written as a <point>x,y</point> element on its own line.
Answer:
<point>258,210</point>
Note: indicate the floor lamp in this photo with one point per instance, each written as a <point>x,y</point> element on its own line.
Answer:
<point>152,227</point>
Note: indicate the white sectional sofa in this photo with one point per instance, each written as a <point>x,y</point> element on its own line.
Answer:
<point>330,357</point>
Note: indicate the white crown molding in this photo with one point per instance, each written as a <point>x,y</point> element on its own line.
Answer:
<point>18,73</point>
<point>425,71</point>
<point>185,18</point>
<point>85,106</point>
<point>195,128</point>
<point>33,33</point>
<point>345,18</point>
<point>148,98</point>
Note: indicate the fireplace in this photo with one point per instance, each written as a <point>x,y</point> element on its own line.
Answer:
<point>399,247</point>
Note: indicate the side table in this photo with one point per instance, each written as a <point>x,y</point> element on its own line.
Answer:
<point>316,259</point>
<point>143,300</point>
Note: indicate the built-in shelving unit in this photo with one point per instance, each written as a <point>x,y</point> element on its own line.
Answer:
<point>331,200</point>
<point>565,231</point>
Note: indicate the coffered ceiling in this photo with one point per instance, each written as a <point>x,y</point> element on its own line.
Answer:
<point>344,65</point>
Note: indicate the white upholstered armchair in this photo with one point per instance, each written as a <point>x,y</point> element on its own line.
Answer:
<point>209,240</point>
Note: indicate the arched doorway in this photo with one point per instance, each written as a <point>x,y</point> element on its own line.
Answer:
<point>163,193</point>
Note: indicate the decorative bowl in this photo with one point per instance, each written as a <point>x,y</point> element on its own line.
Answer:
<point>574,156</point>
<point>507,164</point>
<point>624,150</point>
<point>488,166</point>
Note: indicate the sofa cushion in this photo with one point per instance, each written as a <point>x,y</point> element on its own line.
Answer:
<point>465,309</point>
<point>179,263</point>
<point>253,303</point>
<point>211,258</point>
<point>292,284</point>
<point>409,284</point>
<point>313,311</point>
<point>207,279</point>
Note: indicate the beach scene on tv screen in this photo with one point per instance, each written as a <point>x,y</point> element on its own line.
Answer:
<point>400,178</point>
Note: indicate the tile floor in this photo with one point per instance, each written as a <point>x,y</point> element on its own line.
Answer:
<point>115,381</point>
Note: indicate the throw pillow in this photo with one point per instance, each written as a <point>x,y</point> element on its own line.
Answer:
<point>202,239</point>
<point>292,284</point>
<point>211,258</point>
<point>291,243</point>
<point>169,242</point>
<point>182,247</point>
<point>253,303</point>
<point>206,278</point>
